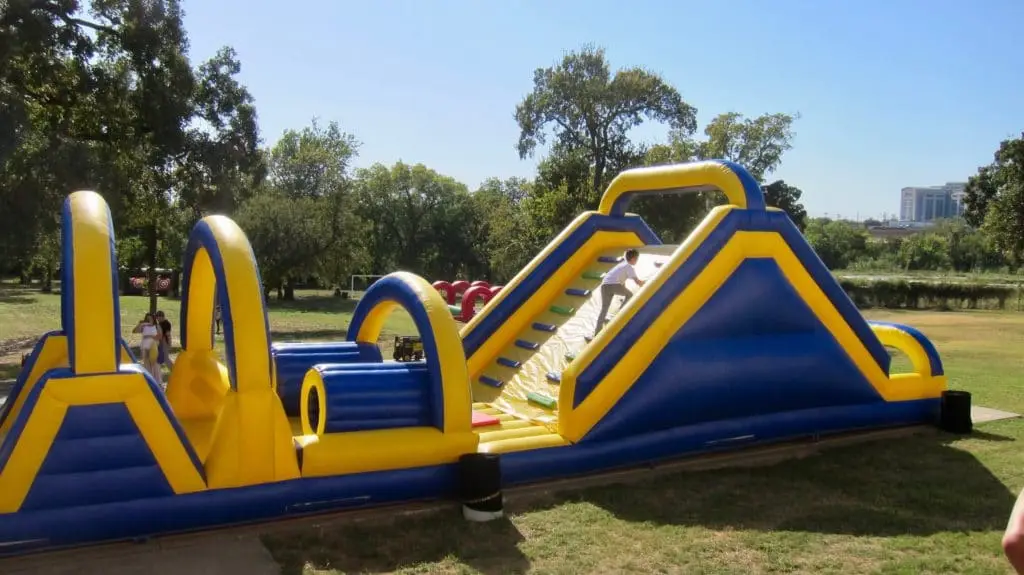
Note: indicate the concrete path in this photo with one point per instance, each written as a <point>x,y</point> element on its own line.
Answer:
<point>214,555</point>
<point>987,414</point>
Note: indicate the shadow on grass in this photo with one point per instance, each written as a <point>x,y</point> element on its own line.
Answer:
<point>17,294</point>
<point>9,370</point>
<point>314,304</point>
<point>490,548</point>
<point>282,336</point>
<point>913,486</point>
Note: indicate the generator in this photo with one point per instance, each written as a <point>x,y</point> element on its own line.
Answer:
<point>408,348</point>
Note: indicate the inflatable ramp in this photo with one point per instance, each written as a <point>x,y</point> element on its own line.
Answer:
<point>527,373</point>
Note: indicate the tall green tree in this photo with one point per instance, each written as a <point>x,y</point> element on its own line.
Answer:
<point>303,223</point>
<point>781,195</point>
<point>506,236</point>
<point>419,220</point>
<point>590,111</point>
<point>106,98</point>
<point>994,198</point>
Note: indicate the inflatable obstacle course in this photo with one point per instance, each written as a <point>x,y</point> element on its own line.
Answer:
<point>740,336</point>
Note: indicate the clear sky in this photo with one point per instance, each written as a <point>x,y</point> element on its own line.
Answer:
<point>892,93</point>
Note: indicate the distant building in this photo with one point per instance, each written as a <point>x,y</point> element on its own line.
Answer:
<point>920,205</point>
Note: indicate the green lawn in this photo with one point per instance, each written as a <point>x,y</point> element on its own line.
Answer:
<point>927,504</point>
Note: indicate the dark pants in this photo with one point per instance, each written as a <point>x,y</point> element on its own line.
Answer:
<point>609,291</point>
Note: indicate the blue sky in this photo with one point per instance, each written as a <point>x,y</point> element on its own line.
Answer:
<point>891,93</point>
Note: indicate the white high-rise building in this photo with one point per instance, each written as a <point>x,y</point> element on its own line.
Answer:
<point>926,204</point>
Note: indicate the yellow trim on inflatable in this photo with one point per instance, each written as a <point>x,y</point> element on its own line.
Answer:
<point>567,386</point>
<point>313,380</point>
<point>53,355</point>
<point>539,301</point>
<point>202,290</point>
<point>450,355</point>
<point>97,350</point>
<point>382,450</point>
<point>46,418</point>
<point>893,336</point>
<point>697,175</point>
<point>575,423</point>
<point>528,269</point>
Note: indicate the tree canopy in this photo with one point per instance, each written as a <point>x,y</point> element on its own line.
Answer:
<point>103,95</point>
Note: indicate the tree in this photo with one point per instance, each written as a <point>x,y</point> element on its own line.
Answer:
<point>757,144</point>
<point>781,195</point>
<point>591,111</point>
<point>507,239</point>
<point>837,243</point>
<point>304,223</point>
<point>419,220</point>
<point>994,197</point>
<point>287,236</point>
<point>108,100</point>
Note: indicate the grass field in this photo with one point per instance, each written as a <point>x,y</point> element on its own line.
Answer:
<point>926,504</point>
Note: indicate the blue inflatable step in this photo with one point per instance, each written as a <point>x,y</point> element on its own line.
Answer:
<point>509,362</point>
<point>554,377</point>
<point>577,292</point>
<point>610,259</point>
<point>544,326</point>
<point>491,381</point>
<point>530,345</point>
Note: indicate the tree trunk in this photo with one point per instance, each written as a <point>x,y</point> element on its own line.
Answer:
<point>151,255</point>
<point>289,290</point>
<point>599,165</point>
<point>48,280</point>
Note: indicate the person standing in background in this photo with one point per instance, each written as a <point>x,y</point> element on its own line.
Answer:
<point>149,346</point>
<point>164,357</point>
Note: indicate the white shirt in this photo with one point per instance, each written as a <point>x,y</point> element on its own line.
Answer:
<point>619,274</point>
<point>148,334</point>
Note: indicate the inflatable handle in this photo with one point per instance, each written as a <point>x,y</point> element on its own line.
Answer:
<point>727,177</point>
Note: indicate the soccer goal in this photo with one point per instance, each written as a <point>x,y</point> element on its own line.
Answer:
<point>361,283</point>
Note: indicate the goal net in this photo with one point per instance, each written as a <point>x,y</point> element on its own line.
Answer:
<point>362,282</point>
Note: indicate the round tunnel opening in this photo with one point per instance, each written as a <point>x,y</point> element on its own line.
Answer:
<point>313,408</point>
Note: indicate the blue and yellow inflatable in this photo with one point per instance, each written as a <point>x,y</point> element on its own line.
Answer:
<point>741,336</point>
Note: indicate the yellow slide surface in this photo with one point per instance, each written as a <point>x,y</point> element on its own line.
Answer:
<point>523,371</point>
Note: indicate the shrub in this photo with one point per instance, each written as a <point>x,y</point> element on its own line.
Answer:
<point>904,294</point>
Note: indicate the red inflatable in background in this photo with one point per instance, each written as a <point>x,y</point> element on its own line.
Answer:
<point>482,293</point>
<point>470,293</point>
<point>445,289</point>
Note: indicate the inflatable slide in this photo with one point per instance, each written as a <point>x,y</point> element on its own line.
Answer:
<point>739,336</point>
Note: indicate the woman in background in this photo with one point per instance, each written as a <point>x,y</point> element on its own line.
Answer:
<point>150,346</point>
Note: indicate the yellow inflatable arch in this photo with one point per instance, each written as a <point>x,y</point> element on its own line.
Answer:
<point>252,442</point>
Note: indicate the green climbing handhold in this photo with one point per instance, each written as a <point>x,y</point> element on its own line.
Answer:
<point>541,399</point>
<point>562,309</point>
<point>592,275</point>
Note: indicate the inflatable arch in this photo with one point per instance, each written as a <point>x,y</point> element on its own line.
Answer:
<point>235,419</point>
<point>442,347</point>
